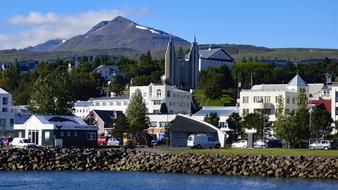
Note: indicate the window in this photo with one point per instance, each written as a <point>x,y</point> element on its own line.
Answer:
<point>245,99</point>
<point>258,99</point>
<point>163,124</point>
<point>118,103</point>
<point>158,93</point>
<point>156,111</point>
<point>20,134</point>
<point>4,100</point>
<point>293,100</point>
<point>11,122</point>
<point>157,102</point>
<point>222,124</point>
<point>68,134</point>
<point>47,135</point>
<point>75,134</point>
<point>168,93</point>
<point>62,134</point>
<point>144,94</point>
<point>4,109</point>
<point>91,136</point>
<point>125,103</point>
<point>153,124</point>
<point>288,100</point>
<point>104,103</point>
<point>245,112</point>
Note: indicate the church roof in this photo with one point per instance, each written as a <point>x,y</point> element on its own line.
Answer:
<point>297,81</point>
<point>206,53</point>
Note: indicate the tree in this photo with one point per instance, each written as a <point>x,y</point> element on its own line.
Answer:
<point>294,128</point>
<point>119,127</point>
<point>136,113</point>
<point>320,123</point>
<point>234,123</point>
<point>254,121</point>
<point>52,94</point>
<point>117,84</point>
<point>212,118</point>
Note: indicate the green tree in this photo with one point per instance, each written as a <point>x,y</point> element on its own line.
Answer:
<point>254,121</point>
<point>117,84</point>
<point>234,123</point>
<point>119,127</point>
<point>52,94</point>
<point>320,123</point>
<point>212,118</point>
<point>137,113</point>
<point>294,128</point>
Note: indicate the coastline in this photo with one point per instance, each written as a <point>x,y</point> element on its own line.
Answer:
<point>87,159</point>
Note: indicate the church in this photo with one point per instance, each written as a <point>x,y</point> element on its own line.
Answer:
<point>183,71</point>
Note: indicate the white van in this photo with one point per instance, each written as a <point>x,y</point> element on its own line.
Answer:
<point>22,143</point>
<point>202,141</point>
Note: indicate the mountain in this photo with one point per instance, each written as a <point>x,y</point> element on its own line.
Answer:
<point>120,33</point>
<point>46,46</point>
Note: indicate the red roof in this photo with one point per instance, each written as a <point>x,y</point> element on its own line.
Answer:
<point>326,103</point>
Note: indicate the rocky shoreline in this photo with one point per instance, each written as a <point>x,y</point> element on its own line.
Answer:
<point>135,160</point>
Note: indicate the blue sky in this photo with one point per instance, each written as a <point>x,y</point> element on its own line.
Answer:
<point>270,23</point>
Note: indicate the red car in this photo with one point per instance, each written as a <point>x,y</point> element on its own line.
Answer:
<point>102,140</point>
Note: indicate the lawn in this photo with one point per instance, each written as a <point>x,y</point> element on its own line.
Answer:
<point>227,98</point>
<point>257,151</point>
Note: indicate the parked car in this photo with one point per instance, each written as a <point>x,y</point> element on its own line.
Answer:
<point>320,144</point>
<point>102,140</point>
<point>274,144</point>
<point>240,144</point>
<point>260,144</point>
<point>113,142</point>
<point>202,141</point>
<point>22,143</point>
<point>5,140</point>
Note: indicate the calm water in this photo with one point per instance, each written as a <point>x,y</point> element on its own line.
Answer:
<point>136,180</point>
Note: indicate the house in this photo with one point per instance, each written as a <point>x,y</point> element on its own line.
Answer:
<point>177,101</point>
<point>57,130</point>
<point>158,123</point>
<point>107,71</point>
<point>7,115</point>
<point>264,98</point>
<point>108,103</point>
<point>215,57</point>
<point>183,126</point>
<point>103,119</point>
<point>82,108</point>
<point>223,113</point>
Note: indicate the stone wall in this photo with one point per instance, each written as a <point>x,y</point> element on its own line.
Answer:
<point>134,160</point>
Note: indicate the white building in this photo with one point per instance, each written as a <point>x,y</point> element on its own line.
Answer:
<point>214,58</point>
<point>264,97</point>
<point>107,71</point>
<point>223,113</point>
<point>177,101</point>
<point>112,103</point>
<point>6,114</point>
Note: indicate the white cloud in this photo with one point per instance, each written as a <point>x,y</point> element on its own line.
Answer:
<point>40,27</point>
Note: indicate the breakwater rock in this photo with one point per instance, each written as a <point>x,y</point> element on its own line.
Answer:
<point>135,160</point>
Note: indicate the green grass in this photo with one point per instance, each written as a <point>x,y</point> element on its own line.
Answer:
<point>227,98</point>
<point>257,151</point>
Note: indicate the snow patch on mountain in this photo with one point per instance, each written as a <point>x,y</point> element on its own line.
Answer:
<point>149,29</point>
